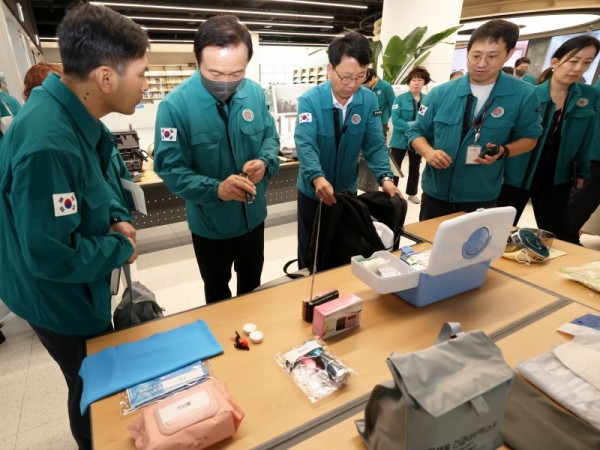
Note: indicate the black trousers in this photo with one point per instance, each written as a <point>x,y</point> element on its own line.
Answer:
<point>69,351</point>
<point>432,207</point>
<point>216,256</point>
<point>307,211</point>
<point>414,168</point>
<point>550,207</point>
<point>585,201</point>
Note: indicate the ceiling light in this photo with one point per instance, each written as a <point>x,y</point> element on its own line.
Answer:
<point>285,33</point>
<point>213,10</point>
<point>188,20</point>
<point>328,4</point>
<point>536,24</point>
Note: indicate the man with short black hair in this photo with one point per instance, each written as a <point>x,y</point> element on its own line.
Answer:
<point>336,120</point>
<point>385,97</point>
<point>521,69</point>
<point>216,147</point>
<point>465,129</point>
<point>62,229</point>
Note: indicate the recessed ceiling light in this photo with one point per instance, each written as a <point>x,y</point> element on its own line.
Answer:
<point>534,24</point>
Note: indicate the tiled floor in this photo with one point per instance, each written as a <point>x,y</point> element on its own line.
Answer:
<point>32,390</point>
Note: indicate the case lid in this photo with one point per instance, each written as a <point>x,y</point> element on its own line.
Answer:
<point>470,239</point>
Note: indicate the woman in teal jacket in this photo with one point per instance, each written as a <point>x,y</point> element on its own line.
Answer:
<point>404,113</point>
<point>561,157</point>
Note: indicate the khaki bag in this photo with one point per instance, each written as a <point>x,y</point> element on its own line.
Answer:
<point>451,396</point>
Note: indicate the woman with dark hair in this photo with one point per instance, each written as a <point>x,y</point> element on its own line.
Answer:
<point>36,75</point>
<point>404,112</point>
<point>561,157</point>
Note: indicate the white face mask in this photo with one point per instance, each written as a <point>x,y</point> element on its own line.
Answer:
<point>221,90</point>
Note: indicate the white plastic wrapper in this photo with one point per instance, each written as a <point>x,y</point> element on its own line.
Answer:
<point>588,274</point>
<point>314,369</point>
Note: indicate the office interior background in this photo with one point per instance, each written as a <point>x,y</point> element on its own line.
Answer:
<point>290,41</point>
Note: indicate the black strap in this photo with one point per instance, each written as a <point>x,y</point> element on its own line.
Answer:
<point>336,125</point>
<point>535,149</point>
<point>467,117</point>
<point>223,115</point>
<point>416,106</point>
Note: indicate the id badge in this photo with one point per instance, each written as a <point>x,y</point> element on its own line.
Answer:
<point>473,152</point>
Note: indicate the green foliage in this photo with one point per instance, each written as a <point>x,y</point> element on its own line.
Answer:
<point>401,55</point>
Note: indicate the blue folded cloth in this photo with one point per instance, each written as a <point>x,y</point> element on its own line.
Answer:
<point>117,368</point>
<point>588,320</point>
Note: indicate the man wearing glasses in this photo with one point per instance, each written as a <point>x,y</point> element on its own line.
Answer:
<point>336,120</point>
<point>466,129</point>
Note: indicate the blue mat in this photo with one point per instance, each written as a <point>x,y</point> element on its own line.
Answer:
<point>117,368</point>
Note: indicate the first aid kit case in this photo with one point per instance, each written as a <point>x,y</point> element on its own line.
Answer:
<point>458,261</point>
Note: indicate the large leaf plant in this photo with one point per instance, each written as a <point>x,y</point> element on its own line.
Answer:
<point>401,55</point>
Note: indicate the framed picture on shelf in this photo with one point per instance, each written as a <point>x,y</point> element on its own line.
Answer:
<point>285,97</point>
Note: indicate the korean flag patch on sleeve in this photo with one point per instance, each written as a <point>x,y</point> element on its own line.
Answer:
<point>422,110</point>
<point>64,204</point>
<point>168,134</point>
<point>305,117</point>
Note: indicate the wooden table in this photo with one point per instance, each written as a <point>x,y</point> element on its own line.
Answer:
<point>275,408</point>
<point>268,396</point>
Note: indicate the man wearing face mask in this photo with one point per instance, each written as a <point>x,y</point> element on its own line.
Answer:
<point>216,147</point>
<point>521,69</point>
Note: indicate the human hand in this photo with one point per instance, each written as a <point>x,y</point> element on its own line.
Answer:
<point>324,191</point>
<point>438,159</point>
<point>255,169</point>
<point>235,187</point>
<point>391,189</point>
<point>124,228</point>
<point>135,253</point>
<point>488,155</point>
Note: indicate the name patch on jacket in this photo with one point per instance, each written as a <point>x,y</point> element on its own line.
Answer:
<point>305,117</point>
<point>378,112</point>
<point>64,204</point>
<point>168,134</point>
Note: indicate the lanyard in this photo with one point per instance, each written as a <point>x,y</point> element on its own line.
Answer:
<point>478,122</point>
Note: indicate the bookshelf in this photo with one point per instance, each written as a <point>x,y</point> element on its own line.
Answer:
<point>310,75</point>
<point>162,78</point>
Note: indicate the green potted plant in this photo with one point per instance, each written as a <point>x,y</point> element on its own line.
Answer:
<point>401,55</point>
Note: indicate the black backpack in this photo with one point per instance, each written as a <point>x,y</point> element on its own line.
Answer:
<point>347,227</point>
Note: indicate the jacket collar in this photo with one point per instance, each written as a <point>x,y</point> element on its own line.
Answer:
<point>327,100</point>
<point>543,92</point>
<point>81,117</point>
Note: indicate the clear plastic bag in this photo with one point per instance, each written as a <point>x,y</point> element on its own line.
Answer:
<point>314,369</point>
<point>587,274</point>
<point>151,391</point>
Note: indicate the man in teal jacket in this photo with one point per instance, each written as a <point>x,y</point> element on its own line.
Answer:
<point>62,230</point>
<point>216,147</point>
<point>459,121</point>
<point>385,97</point>
<point>521,69</point>
<point>336,120</point>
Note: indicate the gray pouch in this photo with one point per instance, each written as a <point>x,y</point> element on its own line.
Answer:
<point>452,395</point>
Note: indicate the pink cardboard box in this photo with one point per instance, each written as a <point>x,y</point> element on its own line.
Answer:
<point>337,315</point>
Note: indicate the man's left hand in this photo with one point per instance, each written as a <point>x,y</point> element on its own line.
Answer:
<point>255,169</point>
<point>489,159</point>
<point>391,189</point>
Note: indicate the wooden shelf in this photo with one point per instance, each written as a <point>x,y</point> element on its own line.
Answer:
<point>163,78</point>
<point>310,75</point>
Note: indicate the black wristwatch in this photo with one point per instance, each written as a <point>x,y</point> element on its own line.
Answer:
<point>506,152</point>
<point>385,178</point>
<point>114,220</point>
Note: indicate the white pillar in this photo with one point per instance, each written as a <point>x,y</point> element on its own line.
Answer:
<point>9,66</point>
<point>400,17</point>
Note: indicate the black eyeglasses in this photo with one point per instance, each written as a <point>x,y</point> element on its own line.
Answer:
<point>347,80</point>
